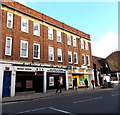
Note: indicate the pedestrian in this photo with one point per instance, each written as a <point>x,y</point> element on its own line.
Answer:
<point>74,83</point>
<point>58,86</point>
<point>93,82</point>
<point>105,83</point>
<point>86,83</point>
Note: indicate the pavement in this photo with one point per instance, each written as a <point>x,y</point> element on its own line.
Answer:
<point>32,95</point>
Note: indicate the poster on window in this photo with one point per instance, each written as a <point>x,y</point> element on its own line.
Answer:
<point>51,81</point>
<point>61,80</point>
<point>82,80</point>
<point>29,84</point>
<point>70,80</point>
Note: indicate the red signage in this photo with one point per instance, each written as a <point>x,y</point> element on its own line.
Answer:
<point>7,68</point>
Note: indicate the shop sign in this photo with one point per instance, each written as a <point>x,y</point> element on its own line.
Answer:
<point>56,70</point>
<point>69,67</point>
<point>24,69</point>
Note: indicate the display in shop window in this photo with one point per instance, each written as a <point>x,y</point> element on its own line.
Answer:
<point>18,84</point>
<point>29,83</point>
<point>51,81</point>
<point>61,80</point>
<point>70,81</point>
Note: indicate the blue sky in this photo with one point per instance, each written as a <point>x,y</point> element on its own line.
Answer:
<point>94,18</point>
<point>99,19</point>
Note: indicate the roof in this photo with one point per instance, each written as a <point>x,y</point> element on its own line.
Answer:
<point>114,61</point>
<point>97,61</point>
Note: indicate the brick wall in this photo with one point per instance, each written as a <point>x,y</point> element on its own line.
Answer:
<point>17,35</point>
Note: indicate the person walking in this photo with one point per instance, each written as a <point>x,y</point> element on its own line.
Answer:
<point>86,83</point>
<point>75,84</point>
<point>93,82</point>
<point>58,86</point>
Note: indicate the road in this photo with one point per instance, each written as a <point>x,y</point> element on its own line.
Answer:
<point>90,101</point>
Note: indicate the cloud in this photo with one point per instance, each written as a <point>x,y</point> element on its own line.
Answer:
<point>105,45</point>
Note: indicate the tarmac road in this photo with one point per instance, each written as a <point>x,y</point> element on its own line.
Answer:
<point>90,101</point>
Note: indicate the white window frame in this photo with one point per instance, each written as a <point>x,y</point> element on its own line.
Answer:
<point>88,57</point>
<point>68,39</point>
<point>36,32</point>
<point>70,53</point>
<point>38,57</point>
<point>51,53</point>
<point>24,28</point>
<point>83,60</point>
<point>74,42</point>
<point>59,53</point>
<point>58,36</point>
<point>21,49</point>
<point>82,44</point>
<point>75,54</point>
<point>86,45</point>
<point>50,33</point>
<point>8,46</point>
<point>9,19</point>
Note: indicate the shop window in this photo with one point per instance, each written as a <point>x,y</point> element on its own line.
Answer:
<point>50,33</point>
<point>69,57</point>
<point>58,33</point>
<point>82,44</point>
<point>83,60</point>
<point>36,52</point>
<point>59,52</point>
<point>8,46</point>
<point>74,41</point>
<point>9,20</point>
<point>68,39</point>
<point>51,53</point>
<point>24,49</point>
<point>24,25</point>
<point>75,58</point>
<point>36,29</point>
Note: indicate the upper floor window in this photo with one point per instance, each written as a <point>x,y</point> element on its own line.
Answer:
<point>24,25</point>
<point>9,20</point>
<point>51,53</point>
<point>86,45</point>
<point>74,42</point>
<point>36,29</point>
<point>24,49</point>
<point>69,57</point>
<point>83,59</point>
<point>88,60</point>
<point>50,33</point>
<point>82,44</point>
<point>8,46</point>
<point>68,39</point>
<point>36,51</point>
<point>58,33</point>
<point>59,52</point>
<point>75,58</point>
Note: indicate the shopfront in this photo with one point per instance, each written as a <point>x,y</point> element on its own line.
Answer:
<point>53,75</point>
<point>80,76</point>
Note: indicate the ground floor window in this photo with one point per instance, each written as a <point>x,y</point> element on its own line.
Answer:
<point>52,80</point>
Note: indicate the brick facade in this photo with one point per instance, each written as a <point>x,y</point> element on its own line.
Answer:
<point>43,40</point>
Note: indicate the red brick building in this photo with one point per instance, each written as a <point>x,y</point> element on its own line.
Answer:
<point>37,50</point>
